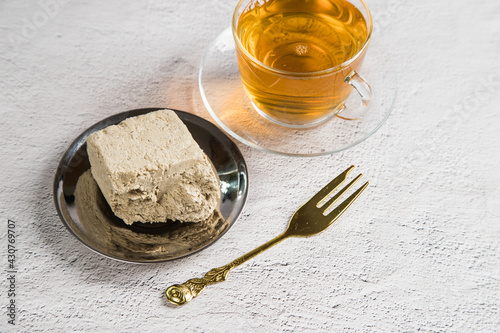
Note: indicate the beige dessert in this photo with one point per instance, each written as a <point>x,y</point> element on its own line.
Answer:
<point>150,169</point>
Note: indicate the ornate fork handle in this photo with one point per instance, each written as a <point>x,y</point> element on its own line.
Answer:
<point>180,294</point>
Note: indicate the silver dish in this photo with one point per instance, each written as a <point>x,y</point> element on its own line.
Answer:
<point>106,234</point>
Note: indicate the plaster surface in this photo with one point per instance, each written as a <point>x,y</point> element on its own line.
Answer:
<point>418,252</point>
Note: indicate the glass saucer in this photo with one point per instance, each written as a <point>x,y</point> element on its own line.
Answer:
<point>225,99</point>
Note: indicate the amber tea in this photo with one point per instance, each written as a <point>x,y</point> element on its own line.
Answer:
<point>294,56</point>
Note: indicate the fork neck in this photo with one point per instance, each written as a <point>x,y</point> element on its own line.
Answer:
<point>259,249</point>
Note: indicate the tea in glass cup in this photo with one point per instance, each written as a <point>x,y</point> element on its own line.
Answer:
<point>299,59</point>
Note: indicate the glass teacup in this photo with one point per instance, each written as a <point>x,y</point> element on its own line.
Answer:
<point>299,59</point>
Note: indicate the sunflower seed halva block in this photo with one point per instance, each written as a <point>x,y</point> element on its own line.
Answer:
<point>150,169</point>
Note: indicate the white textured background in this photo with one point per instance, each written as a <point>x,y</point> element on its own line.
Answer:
<point>419,251</point>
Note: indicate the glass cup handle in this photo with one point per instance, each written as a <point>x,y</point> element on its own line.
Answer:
<point>365,92</point>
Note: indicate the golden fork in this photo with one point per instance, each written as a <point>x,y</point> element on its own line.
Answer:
<point>310,219</point>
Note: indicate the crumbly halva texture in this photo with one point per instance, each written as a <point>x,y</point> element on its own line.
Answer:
<point>150,169</point>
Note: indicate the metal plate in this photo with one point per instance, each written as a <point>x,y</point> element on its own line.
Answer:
<point>103,232</point>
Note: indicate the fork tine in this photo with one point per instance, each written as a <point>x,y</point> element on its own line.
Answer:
<point>337,212</point>
<point>323,194</point>
<point>337,196</point>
